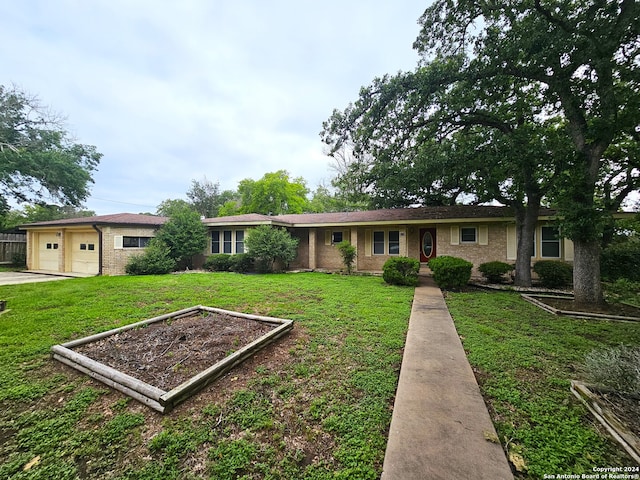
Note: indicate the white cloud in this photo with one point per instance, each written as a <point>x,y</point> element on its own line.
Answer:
<point>173,91</point>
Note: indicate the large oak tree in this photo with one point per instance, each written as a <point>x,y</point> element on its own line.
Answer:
<point>39,162</point>
<point>575,62</point>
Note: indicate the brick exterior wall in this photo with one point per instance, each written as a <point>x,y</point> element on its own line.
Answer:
<point>114,260</point>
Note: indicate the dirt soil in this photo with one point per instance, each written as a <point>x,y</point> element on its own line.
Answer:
<point>617,309</point>
<point>168,353</point>
<point>626,408</point>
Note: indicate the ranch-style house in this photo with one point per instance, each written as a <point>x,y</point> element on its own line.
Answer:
<point>102,245</point>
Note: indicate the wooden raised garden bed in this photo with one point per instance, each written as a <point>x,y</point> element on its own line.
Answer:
<point>164,360</point>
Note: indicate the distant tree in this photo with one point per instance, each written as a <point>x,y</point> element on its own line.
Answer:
<point>268,245</point>
<point>184,234</point>
<point>274,194</point>
<point>206,197</point>
<point>170,206</point>
<point>39,163</point>
<point>42,213</point>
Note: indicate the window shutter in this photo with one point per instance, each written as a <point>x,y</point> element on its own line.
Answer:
<point>483,235</point>
<point>117,242</point>
<point>367,243</point>
<point>327,237</point>
<point>455,235</point>
<point>568,250</point>
<point>512,244</point>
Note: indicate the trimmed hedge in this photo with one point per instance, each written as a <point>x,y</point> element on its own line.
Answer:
<point>220,262</point>
<point>494,271</point>
<point>401,271</point>
<point>554,273</point>
<point>450,273</point>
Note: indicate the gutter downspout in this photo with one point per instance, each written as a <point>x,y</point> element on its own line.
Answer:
<point>95,227</point>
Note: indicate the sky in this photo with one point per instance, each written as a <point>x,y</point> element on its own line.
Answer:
<point>175,91</point>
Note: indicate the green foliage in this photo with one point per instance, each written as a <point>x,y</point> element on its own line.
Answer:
<point>185,235</point>
<point>155,260</point>
<point>269,245</point>
<point>270,423</point>
<point>206,197</point>
<point>621,260</point>
<point>19,259</point>
<point>523,358</point>
<point>348,254</point>
<point>37,156</point>
<point>274,194</point>
<point>494,271</point>
<point>615,368</point>
<point>241,263</point>
<point>401,271</point>
<point>219,262</point>
<point>553,273</point>
<point>450,273</point>
<point>623,290</point>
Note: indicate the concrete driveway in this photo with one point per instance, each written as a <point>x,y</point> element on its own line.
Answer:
<point>14,278</point>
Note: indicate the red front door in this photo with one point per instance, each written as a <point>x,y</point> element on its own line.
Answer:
<point>427,244</point>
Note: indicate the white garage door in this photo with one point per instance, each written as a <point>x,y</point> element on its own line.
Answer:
<point>84,252</point>
<point>48,252</point>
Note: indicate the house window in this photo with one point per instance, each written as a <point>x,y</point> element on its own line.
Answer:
<point>134,242</point>
<point>378,243</point>
<point>336,237</point>
<point>386,242</point>
<point>239,241</point>
<point>394,242</point>
<point>91,246</point>
<point>550,242</point>
<point>226,241</point>
<point>83,246</point>
<point>215,241</point>
<point>468,235</point>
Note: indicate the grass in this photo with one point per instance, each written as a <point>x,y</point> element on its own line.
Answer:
<point>525,358</point>
<point>323,413</point>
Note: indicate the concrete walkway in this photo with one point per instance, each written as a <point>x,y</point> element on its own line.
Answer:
<point>440,423</point>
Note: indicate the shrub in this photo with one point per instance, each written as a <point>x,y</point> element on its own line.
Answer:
<point>494,271</point>
<point>450,273</point>
<point>269,245</point>
<point>220,262</point>
<point>19,259</point>
<point>401,271</point>
<point>554,273</point>
<point>348,253</point>
<point>155,260</point>
<point>621,260</point>
<point>616,368</point>
<point>241,263</point>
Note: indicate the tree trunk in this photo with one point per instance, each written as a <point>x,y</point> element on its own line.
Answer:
<point>586,272</point>
<point>526,221</point>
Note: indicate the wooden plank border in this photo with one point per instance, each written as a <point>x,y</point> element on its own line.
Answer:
<point>152,396</point>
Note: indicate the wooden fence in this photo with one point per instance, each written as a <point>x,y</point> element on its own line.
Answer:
<point>12,244</point>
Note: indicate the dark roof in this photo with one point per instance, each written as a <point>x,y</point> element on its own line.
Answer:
<point>114,219</point>
<point>390,215</point>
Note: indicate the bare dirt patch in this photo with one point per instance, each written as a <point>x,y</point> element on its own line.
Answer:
<point>168,353</point>
<point>568,305</point>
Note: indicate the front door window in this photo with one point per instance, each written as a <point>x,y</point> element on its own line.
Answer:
<point>427,244</point>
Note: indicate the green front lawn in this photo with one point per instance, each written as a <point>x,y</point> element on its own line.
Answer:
<point>316,405</point>
<point>524,359</point>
